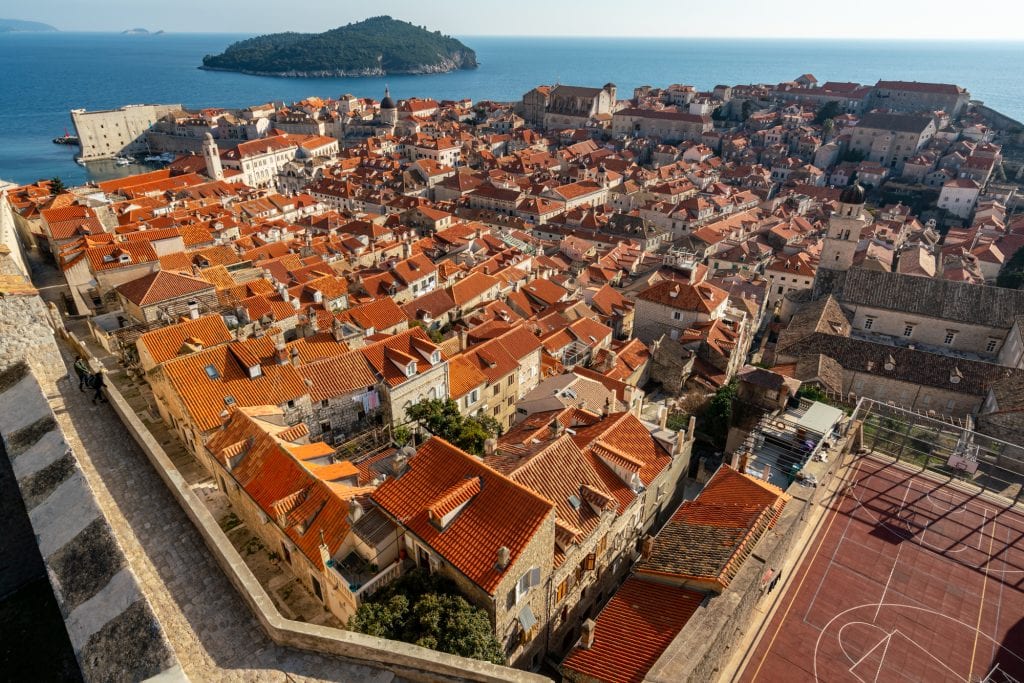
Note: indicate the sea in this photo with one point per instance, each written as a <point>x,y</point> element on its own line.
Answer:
<point>48,74</point>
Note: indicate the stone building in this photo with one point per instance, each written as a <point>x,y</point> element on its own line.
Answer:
<point>911,96</point>
<point>673,307</point>
<point>112,132</point>
<point>670,127</point>
<point>567,106</point>
<point>891,139</point>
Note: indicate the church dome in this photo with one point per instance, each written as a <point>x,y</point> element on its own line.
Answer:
<point>852,194</point>
<point>387,102</point>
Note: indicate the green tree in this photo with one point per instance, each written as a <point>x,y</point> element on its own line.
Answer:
<point>57,185</point>
<point>427,610</point>
<point>747,109</point>
<point>1011,275</point>
<point>718,416</point>
<point>828,111</point>
<point>442,418</point>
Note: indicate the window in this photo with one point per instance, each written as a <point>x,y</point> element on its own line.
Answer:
<point>325,403</point>
<point>780,290</point>
<point>287,553</point>
<point>950,336</point>
<point>511,380</point>
<point>497,389</point>
<point>869,323</point>
<point>602,545</point>
<point>676,315</point>
<point>562,589</point>
<point>908,331</point>
<point>588,562</point>
<point>990,347</point>
<point>527,581</point>
<point>317,589</point>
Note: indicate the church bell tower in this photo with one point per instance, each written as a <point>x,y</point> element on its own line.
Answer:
<point>845,228</point>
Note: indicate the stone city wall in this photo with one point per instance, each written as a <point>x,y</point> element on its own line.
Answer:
<point>408,661</point>
<point>112,628</point>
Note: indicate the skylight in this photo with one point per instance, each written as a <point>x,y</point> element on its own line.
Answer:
<point>211,372</point>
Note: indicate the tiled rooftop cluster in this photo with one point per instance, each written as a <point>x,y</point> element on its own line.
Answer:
<point>303,274</point>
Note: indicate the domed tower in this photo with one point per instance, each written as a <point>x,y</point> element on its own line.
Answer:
<point>212,155</point>
<point>845,228</point>
<point>388,109</point>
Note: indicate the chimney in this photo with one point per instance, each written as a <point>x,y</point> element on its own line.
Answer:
<point>504,557</point>
<point>398,464</point>
<point>355,511</point>
<point>337,331</point>
<point>735,461</point>
<point>587,634</point>
<point>646,547</point>
<point>663,416</point>
<point>193,309</point>
<point>767,472</point>
<point>490,446</point>
<point>690,428</point>
<point>280,353</point>
<point>556,428</point>
<point>463,339</point>
<point>295,357</point>
<point>406,250</point>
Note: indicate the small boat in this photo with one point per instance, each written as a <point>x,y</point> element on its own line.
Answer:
<point>66,139</point>
<point>80,161</point>
<point>122,161</point>
<point>153,158</point>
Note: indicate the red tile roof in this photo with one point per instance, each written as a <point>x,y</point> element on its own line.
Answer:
<point>165,343</point>
<point>161,286</point>
<point>632,631</point>
<point>471,541</point>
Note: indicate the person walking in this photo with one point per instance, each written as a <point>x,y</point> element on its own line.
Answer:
<point>97,383</point>
<point>82,370</point>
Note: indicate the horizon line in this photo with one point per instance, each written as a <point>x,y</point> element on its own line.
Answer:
<point>958,39</point>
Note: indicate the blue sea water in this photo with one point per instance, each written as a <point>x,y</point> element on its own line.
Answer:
<point>47,74</point>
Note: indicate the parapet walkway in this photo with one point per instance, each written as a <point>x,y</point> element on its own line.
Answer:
<point>212,632</point>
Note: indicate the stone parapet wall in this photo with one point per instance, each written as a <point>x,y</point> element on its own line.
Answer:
<point>408,661</point>
<point>112,628</point>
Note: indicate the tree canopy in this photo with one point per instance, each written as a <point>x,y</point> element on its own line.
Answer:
<point>1012,273</point>
<point>829,110</point>
<point>442,418</point>
<point>718,416</point>
<point>376,45</point>
<point>426,610</point>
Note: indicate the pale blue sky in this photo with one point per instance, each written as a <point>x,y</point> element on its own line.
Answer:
<point>911,19</point>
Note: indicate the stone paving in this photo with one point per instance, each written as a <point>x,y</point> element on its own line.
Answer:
<point>214,634</point>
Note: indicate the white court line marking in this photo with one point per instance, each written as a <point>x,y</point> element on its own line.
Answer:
<point>899,549</point>
<point>835,551</point>
<point>984,521</point>
<point>942,551</point>
<point>856,623</point>
<point>881,664</point>
<point>895,606</point>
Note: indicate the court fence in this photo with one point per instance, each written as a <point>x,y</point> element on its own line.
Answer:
<point>952,450</point>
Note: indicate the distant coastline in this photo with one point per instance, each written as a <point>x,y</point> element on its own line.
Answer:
<point>23,26</point>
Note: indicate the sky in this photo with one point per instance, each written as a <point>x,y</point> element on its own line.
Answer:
<point>879,19</point>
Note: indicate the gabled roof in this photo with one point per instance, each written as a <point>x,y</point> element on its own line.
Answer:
<point>632,631</point>
<point>166,342</point>
<point>161,286</point>
<point>701,297</point>
<point>470,542</point>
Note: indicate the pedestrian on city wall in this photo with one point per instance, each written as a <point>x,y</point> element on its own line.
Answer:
<point>82,370</point>
<point>97,383</point>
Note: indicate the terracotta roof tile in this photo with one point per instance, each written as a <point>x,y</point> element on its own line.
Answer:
<point>471,541</point>
<point>632,631</point>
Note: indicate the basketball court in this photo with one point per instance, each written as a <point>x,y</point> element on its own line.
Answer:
<point>911,578</point>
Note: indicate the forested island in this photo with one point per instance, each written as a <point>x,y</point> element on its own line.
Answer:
<point>22,26</point>
<point>373,47</point>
